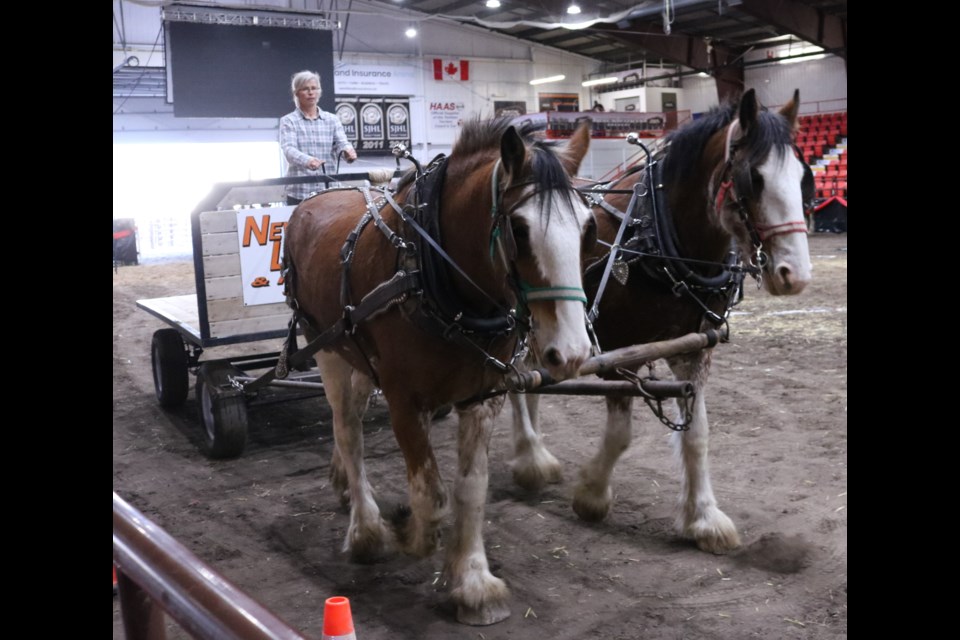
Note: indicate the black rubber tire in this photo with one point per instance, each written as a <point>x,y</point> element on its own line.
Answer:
<point>168,357</point>
<point>223,412</point>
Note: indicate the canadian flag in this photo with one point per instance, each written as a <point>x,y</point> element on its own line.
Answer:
<point>451,69</point>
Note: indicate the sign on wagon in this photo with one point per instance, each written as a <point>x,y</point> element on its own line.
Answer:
<point>260,233</point>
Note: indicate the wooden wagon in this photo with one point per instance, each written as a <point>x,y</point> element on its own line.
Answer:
<point>225,311</point>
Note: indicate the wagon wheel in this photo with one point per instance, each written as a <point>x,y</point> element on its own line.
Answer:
<point>168,356</point>
<point>223,412</point>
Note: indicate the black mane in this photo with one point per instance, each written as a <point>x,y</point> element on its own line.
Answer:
<point>687,143</point>
<point>546,171</point>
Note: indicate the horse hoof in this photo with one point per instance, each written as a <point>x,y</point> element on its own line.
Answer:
<point>720,542</point>
<point>371,546</point>
<point>483,616</point>
<point>714,533</point>
<point>533,479</point>
<point>590,508</point>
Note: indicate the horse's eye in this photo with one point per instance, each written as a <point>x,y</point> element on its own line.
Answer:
<point>521,236</point>
<point>590,236</point>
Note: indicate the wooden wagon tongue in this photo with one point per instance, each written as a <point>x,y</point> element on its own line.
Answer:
<point>539,380</point>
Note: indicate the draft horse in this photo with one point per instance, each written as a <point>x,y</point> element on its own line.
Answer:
<point>465,266</point>
<point>725,196</point>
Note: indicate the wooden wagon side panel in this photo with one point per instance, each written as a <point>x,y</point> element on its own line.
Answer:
<point>226,313</point>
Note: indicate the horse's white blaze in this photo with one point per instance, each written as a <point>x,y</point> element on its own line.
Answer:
<point>557,248</point>
<point>789,270</point>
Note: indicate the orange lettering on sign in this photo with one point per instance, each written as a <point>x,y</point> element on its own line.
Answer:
<point>250,227</point>
<point>275,258</point>
<point>276,231</point>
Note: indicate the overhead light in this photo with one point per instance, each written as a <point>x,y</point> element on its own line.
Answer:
<point>573,9</point>
<point>546,80</point>
<point>493,4</point>
<point>410,32</point>
<point>596,81</point>
<point>703,74</point>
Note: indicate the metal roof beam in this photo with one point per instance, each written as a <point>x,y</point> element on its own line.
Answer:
<point>822,29</point>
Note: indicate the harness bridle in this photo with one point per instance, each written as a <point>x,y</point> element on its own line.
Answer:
<point>735,181</point>
<point>501,239</point>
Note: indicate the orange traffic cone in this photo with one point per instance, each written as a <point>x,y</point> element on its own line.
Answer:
<point>337,620</point>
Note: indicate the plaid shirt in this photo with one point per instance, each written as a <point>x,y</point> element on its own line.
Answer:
<point>302,139</point>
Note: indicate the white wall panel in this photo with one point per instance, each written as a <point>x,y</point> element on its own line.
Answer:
<point>822,84</point>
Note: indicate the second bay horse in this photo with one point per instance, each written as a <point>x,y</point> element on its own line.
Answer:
<point>725,196</point>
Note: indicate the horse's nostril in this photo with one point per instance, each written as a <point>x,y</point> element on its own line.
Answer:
<point>553,357</point>
<point>786,275</point>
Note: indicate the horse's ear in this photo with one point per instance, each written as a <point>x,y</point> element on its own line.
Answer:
<point>577,147</point>
<point>748,110</point>
<point>790,110</point>
<point>512,151</point>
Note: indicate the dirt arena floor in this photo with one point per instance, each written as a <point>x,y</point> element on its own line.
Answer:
<point>269,522</point>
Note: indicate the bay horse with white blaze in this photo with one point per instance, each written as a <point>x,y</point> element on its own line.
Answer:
<point>725,196</point>
<point>463,266</point>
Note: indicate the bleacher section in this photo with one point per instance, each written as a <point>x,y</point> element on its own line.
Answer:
<point>823,142</point>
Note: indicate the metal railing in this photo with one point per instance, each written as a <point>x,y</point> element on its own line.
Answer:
<point>157,575</point>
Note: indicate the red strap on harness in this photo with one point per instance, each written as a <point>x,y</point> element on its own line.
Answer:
<point>769,231</point>
<point>722,194</point>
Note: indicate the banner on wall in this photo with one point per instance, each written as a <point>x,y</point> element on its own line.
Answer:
<point>446,115</point>
<point>375,79</point>
<point>260,232</point>
<point>451,69</point>
<point>373,124</point>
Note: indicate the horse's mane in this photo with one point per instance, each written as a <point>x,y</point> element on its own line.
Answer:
<point>480,137</point>
<point>686,144</point>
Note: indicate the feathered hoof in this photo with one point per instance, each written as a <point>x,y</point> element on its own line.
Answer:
<point>714,534</point>
<point>484,616</point>
<point>534,467</point>
<point>417,542</point>
<point>533,477</point>
<point>371,545</point>
<point>592,505</point>
<point>484,605</point>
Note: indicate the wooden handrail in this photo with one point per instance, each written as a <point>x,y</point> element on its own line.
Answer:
<point>157,574</point>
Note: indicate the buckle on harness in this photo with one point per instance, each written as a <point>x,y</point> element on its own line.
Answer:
<point>348,325</point>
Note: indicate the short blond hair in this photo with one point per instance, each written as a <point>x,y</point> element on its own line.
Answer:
<point>301,78</point>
